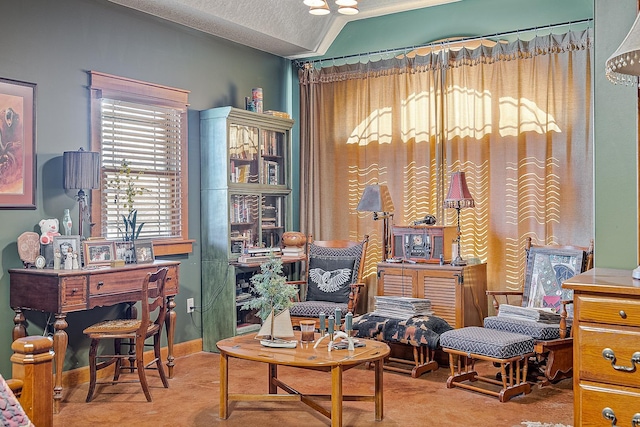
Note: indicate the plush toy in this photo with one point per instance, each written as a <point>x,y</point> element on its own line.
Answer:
<point>48,229</point>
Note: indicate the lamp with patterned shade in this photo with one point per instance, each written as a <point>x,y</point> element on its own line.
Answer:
<point>377,199</point>
<point>458,198</point>
<point>81,172</point>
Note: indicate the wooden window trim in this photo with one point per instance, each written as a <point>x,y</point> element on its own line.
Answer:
<point>106,85</point>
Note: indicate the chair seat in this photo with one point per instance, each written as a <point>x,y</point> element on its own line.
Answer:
<point>118,327</point>
<point>487,342</point>
<point>314,308</point>
<point>536,330</point>
<point>415,331</point>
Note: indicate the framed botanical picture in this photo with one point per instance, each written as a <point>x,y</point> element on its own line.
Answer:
<point>98,252</point>
<point>17,145</point>
<point>62,245</point>
<point>144,251</point>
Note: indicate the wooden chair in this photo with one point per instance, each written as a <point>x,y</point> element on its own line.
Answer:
<point>516,341</point>
<point>332,279</point>
<point>542,288</point>
<point>132,333</point>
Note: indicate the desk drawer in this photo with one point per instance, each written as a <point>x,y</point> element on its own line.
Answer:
<point>74,293</point>
<point>115,283</point>
<point>610,310</point>
<point>593,398</point>
<point>621,342</point>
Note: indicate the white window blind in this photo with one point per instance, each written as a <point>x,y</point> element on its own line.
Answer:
<point>148,138</point>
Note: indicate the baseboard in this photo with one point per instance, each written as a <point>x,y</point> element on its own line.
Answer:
<point>78,376</point>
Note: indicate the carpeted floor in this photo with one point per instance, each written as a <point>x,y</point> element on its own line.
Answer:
<point>192,399</point>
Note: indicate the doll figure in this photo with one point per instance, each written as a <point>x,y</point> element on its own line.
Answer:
<point>57,256</point>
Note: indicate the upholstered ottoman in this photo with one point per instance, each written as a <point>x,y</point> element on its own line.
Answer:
<point>422,333</point>
<point>507,349</point>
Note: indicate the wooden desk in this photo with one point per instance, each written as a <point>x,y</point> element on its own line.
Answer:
<point>65,291</point>
<point>304,357</point>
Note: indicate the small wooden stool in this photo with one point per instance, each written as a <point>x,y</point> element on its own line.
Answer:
<point>509,350</point>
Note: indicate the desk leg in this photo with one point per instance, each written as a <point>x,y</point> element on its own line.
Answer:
<point>60,342</point>
<point>379,404</point>
<point>224,386</point>
<point>336,396</point>
<point>273,373</point>
<point>19,325</point>
<point>170,324</point>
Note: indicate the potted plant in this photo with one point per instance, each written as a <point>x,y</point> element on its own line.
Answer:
<point>125,183</point>
<point>272,299</point>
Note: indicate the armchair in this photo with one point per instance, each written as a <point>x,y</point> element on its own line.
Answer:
<point>332,279</point>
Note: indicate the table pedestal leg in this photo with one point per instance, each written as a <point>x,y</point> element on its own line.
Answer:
<point>170,324</point>
<point>60,342</point>
<point>224,386</point>
<point>336,396</point>
<point>378,390</point>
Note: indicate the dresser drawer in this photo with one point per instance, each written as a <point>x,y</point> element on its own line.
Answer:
<point>74,293</point>
<point>611,310</point>
<point>593,398</point>
<point>591,340</point>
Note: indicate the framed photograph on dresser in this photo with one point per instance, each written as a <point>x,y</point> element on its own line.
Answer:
<point>98,252</point>
<point>144,251</point>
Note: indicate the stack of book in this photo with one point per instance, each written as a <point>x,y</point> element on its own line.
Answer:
<point>401,307</point>
<point>259,255</point>
<point>528,313</point>
<point>293,251</point>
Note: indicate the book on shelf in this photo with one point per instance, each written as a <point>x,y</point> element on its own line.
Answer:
<point>263,251</point>
<point>293,251</point>
<point>248,259</point>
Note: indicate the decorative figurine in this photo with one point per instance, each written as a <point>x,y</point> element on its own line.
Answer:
<point>28,248</point>
<point>74,263</point>
<point>68,260</point>
<point>67,223</point>
<point>57,257</point>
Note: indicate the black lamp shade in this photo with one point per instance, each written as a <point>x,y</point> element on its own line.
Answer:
<point>81,170</point>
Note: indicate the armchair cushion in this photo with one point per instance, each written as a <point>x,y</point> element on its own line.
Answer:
<point>330,278</point>
<point>314,308</point>
<point>536,330</point>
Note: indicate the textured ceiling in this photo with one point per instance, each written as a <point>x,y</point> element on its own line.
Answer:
<point>281,27</point>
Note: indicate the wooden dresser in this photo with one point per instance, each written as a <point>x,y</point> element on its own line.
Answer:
<point>606,348</point>
<point>457,294</point>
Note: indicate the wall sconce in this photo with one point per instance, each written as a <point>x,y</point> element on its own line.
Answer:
<point>377,199</point>
<point>81,171</point>
<point>458,198</point>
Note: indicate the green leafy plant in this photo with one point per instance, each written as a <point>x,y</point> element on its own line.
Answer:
<point>270,289</point>
<point>126,183</point>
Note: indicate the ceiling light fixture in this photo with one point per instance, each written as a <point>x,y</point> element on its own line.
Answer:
<point>320,7</point>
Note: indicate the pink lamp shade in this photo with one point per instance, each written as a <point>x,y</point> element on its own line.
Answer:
<point>459,196</point>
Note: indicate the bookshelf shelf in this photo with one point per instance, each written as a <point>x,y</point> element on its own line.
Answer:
<point>245,195</point>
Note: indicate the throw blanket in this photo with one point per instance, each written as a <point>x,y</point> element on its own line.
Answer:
<point>415,331</point>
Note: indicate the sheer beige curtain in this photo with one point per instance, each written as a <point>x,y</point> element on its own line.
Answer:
<point>515,117</point>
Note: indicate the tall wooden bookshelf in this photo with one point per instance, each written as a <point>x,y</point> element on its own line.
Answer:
<point>245,202</point>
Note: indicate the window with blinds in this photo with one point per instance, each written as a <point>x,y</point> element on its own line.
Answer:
<point>140,130</point>
<point>145,139</point>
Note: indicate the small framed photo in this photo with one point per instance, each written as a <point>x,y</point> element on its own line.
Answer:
<point>124,251</point>
<point>64,244</point>
<point>98,252</point>
<point>144,251</point>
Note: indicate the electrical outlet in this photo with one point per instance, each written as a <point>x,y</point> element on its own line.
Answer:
<point>191,306</point>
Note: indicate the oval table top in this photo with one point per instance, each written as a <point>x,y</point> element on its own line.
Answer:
<point>304,355</point>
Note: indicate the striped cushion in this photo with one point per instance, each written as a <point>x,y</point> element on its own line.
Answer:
<point>536,330</point>
<point>314,308</point>
<point>487,342</point>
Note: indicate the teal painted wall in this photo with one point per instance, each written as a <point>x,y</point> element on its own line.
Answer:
<point>615,146</point>
<point>53,44</point>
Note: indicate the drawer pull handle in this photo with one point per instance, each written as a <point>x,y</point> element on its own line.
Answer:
<point>74,290</point>
<point>635,421</point>
<point>608,354</point>
<point>100,284</point>
<point>607,414</point>
<point>623,314</point>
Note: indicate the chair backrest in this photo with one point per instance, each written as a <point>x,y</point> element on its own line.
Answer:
<point>332,266</point>
<point>153,298</point>
<point>547,267</point>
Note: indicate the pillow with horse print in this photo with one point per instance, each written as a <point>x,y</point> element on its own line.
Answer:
<point>330,278</point>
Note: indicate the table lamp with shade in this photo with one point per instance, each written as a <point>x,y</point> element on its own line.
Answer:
<point>377,199</point>
<point>458,198</point>
<point>81,171</point>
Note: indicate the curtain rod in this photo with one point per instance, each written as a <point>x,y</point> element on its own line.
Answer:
<point>305,63</point>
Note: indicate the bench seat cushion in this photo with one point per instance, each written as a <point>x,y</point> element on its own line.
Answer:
<point>536,330</point>
<point>487,342</point>
<point>415,331</point>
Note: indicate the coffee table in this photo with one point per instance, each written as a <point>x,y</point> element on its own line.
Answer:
<point>304,357</point>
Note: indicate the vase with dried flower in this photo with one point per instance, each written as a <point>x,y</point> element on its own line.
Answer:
<point>125,184</point>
